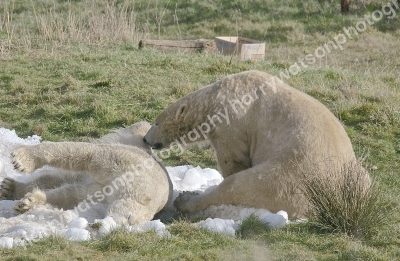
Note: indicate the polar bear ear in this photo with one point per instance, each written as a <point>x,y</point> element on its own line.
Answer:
<point>181,112</point>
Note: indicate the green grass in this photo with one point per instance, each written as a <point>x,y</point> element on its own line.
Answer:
<point>185,243</point>
<point>71,70</point>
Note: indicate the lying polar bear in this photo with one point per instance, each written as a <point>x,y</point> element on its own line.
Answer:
<point>115,174</point>
<point>268,138</point>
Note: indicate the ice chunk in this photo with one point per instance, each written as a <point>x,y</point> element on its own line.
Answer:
<point>78,223</point>
<point>107,225</point>
<point>211,177</point>
<point>19,232</point>
<point>6,242</point>
<point>76,234</point>
<point>2,170</point>
<point>153,225</point>
<point>217,225</point>
<point>274,221</point>
<point>189,178</point>
<point>246,212</point>
<point>192,180</point>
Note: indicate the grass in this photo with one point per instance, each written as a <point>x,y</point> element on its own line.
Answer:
<point>71,70</point>
<point>185,243</point>
<point>349,206</point>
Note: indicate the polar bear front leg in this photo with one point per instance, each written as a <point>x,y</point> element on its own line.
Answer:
<point>31,199</point>
<point>104,161</point>
<point>263,186</point>
<point>189,202</point>
<point>26,158</point>
<point>240,189</point>
<point>65,155</point>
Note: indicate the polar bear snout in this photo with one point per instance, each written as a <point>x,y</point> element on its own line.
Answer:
<point>156,146</point>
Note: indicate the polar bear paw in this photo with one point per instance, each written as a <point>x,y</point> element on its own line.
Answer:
<point>31,199</point>
<point>23,160</point>
<point>185,202</point>
<point>7,188</point>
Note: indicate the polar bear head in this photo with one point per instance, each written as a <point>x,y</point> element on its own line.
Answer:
<point>131,135</point>
<point>173,123</point>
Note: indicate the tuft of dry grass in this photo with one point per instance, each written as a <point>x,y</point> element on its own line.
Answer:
<point>344,203</point>
<point>86,22</point>
<point>96,22</point>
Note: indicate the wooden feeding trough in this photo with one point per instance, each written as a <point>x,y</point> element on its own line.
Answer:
<point>245,48</point>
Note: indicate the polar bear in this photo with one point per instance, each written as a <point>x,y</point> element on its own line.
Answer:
<point>267,136</point>
<point>116,175</point>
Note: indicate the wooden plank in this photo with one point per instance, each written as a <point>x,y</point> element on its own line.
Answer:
<point>198,45</point>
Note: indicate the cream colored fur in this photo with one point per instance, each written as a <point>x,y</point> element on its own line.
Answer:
<point>116,163</point>
<point>267,138</point>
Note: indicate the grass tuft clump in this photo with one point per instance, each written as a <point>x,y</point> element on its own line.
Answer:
<point>122,241</point>
<point>344,203</point>
<point>253,227</point>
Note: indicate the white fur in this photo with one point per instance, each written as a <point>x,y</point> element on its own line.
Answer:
<point>115,172</point>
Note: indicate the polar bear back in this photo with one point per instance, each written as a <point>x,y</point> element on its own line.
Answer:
<point>269,120</point>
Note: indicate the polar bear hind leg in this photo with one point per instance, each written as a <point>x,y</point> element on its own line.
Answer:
<point>31,199</point>
<point>11,189</point>
<point>66,196</point>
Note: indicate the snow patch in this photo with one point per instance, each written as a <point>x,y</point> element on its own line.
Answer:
<point>154,225</point>
<point>17,230</point>
<point>76,234</point>
<point>6,242</point>
<point>218,225</point>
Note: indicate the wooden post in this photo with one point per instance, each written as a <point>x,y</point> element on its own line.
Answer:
<point>345,6</point>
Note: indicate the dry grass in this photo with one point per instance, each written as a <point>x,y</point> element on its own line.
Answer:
<point>104,21</point>
<point>89,22</point>
<point>345,202</point>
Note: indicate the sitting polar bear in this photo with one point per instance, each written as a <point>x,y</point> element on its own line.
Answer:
<point>115,175</point>
<point>267,136</point>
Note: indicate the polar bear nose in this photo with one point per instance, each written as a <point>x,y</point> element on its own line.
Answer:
<point>158,145</point>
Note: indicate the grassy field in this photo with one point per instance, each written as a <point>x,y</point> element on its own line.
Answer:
<point>71,70</point>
